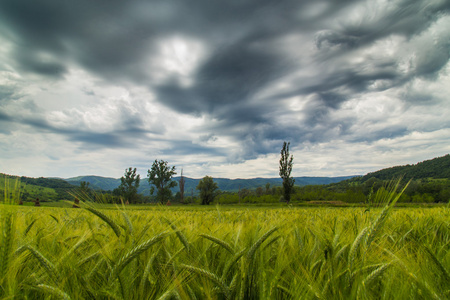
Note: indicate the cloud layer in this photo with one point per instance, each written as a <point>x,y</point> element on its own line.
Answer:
<point>92,87</point>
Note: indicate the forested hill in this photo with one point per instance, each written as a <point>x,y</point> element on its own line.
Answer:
<point>46,189</point>
<point>96,182</point>
<point>434,168</point>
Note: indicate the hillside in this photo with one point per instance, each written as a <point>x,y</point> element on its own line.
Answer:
<point>429,181</point>
<point>96,182</point>
<point>438,168</point>
<point>46,189</point>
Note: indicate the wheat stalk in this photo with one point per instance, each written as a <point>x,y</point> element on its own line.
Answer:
<point>390,201</point>
<point>219,242</point>
<point>6,241</point>
<point>136,251</point>
<point>231,263</point>
<point>355,246</point>
<point>105,218</point>
<point>372,276</point>
<point>45,263</point>
<point>223,286</point>
<point>180,235</point>
<point>53,291</point>
<point>259,242</point>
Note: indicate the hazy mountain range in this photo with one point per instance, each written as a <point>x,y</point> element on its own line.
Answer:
<point>225,184</point>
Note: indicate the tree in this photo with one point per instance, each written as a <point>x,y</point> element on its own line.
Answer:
<point>160,176</point>
<point>286,163</point>
<point>84,187</point>
<point>129,185</point>
<point>207,188</point>
<point>267,188</point>
<point>181,185</point>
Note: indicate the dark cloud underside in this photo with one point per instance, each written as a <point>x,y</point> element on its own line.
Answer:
<point>322,50</point>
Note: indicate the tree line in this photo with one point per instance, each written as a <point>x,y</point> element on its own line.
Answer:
<point>160,178</point>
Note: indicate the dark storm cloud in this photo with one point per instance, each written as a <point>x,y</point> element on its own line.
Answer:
<point>40,66</point>
<point>404,17</point>
<point>386,133</point>
<point>8,93</point>
<point>245,57</point>
<point>88,138</point>
<point>180,147</point>
<point>4,117</point>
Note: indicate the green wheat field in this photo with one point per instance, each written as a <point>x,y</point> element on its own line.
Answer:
<point>225,252</point>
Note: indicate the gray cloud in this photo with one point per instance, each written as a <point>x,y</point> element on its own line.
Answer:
<point>257,60</point>
<point>121,138</point>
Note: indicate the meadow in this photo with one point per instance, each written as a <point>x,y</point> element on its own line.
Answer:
<point>224,252</point>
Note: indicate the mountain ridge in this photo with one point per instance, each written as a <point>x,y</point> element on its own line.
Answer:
<point>224,184</point>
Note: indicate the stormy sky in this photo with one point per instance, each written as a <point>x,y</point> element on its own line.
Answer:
<point>215,87</point>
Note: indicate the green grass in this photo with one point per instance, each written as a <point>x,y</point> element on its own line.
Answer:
<point>231,252</point>
<point>31,192</point>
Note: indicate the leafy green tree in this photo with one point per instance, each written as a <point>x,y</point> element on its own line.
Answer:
<point>84,188</point>
<point>286,163</point>
<point>129,185</point>
<point>160,176</point>
<point>208,190</point>
<point>268,188</point>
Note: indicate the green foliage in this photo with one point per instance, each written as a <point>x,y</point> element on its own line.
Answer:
<point>208,190</point>
<point>286,163</point>
<point>225,253</point>
<point>96,182</point>
<point>31,188</point>
<point>434,168</point>
<point>84,187</point>
<point>129,185</point>
<point>160,176</point>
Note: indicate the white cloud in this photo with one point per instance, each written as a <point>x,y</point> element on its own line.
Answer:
<point>355,87</point>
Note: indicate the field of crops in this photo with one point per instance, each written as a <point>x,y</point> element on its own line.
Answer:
<point>224,253</point>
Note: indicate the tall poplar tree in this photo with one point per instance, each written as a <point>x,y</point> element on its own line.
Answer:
<point>286,163</point>
<point>181,185</point>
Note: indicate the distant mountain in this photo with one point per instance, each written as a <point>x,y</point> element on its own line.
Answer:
<point>96,182</point>
<point>224,184</point>
<point>438,167</point>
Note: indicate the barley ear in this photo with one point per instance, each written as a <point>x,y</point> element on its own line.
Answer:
<point>355,246</point>
<point>440,266</point>
<point>170,294</point>
<point>372,276</point>
<point>6,241</point>
<point>53,291</point>
<point>45,263</point>
<point>219,242</point>
<point>390,201</point>
<point>211,276</point>
<point>179,234</point>
<point>231,263</point>
<point>29,227</point>
<point>259,242</point>
<point>105,218</point>
<point>136,251</point>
